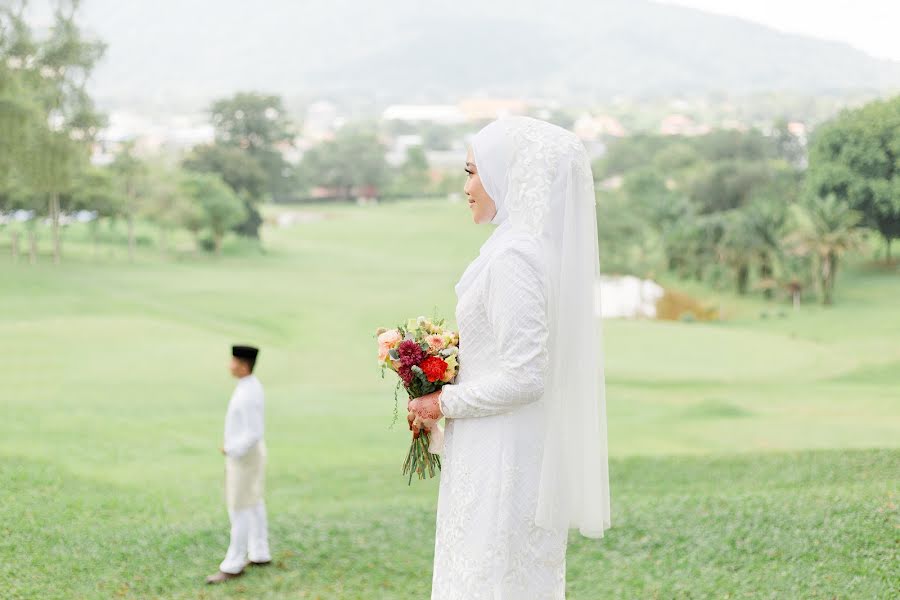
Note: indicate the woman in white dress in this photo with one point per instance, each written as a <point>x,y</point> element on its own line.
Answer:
<point>524,450</point>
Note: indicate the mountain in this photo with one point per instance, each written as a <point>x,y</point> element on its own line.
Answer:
<point>410,50</point>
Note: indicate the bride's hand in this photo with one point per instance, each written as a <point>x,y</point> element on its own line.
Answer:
<point>424,412</point>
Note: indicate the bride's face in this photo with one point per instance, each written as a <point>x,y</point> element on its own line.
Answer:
<point>482,207</point>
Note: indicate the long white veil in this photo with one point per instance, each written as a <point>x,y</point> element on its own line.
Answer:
<point>540,178</point>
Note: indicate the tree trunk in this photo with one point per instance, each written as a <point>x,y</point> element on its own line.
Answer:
<point>829,267</point>
<point>111,248</point>
<point>32,246</point>
<point>888,248</point>
<point>796,297</point>
<point>217,240</point>
<point>743,277</point>
<point>14,241</point>
<point>672,264</point>
<point>834,269</point>
<point>765,273</point>
<point>54,217</point>
<point>130,237</point>
<point>95,226</point>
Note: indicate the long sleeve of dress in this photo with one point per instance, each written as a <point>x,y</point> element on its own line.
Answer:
<point>517,313</point>
<point>246,424</point>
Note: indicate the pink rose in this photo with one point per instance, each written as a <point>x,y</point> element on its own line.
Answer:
<point>387,341</point>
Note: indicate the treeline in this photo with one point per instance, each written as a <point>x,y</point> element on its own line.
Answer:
<point>49,127</point>
<point>753,211</point>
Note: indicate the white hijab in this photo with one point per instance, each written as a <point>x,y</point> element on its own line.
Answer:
<point>539,176</point>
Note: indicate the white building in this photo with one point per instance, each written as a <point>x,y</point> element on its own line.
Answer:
<point>445,114</point>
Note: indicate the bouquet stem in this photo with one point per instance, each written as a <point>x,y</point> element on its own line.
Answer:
<point>419,460</point>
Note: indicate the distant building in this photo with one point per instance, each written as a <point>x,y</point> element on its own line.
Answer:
<point>797,128</point>
<point>290,152</point>
<point>590,128</point>
<point>321,121</point>
<point>800,131</point>
<point>488,109</point>
<point>171,133</point>
<point>446,159</point>
<point>396,154</point>
<point>444,114</point>
<point>679,124</point>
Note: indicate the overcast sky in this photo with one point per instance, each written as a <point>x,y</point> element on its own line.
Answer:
<point>870,25</point>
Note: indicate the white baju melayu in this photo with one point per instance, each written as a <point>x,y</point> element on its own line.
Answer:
<point>245,465</point>
<point>524,449</point>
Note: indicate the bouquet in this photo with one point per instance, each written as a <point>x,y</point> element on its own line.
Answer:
<point>425,356</point>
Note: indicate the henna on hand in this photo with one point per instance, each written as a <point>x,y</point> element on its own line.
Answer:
<point>427,407</point>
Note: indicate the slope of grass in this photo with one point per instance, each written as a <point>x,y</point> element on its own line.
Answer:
<point>733,474</point>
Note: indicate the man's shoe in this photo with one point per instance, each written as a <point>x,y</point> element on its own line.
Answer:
<point>221,577</point>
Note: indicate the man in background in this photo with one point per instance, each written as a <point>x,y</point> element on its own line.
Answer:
<point>245,465</point>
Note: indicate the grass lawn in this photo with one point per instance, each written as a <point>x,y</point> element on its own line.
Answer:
<point>751,458</point>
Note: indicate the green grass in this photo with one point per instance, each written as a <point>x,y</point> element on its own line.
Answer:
<point>752,458</point>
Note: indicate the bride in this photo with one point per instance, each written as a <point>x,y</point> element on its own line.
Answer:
<point>524,450</point>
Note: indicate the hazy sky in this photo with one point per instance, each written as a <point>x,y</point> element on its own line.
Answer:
<point>870,25</point>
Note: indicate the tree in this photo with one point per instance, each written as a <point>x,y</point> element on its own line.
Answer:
<point>241,171</point>
<point>250,121</point>
<point>258,125</point>
<point>668,212</point>
<point>788,146</point>
<point>827,228</point>
<point>221,208</point>
<point>731,145</point>
<point>14,197</point>
<point>622,233</point>
<point>692,244</point>
<point>736,248</point>
<point>631,152</point>
<point>437,137</point>
<point>129,171</point>
<point>796,275</point>
<point>412,176</point>
<point>18,110</point>
<point>59,142</point>
<point>165,202</point>
<point>856,157</point>
<point>96,190</point>
<point>728,185</point>
<point>47,116</point>
<point>676,157</point>
<point>353,160</point>
<point>766,220</point>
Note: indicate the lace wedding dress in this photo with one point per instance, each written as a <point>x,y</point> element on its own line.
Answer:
<point>487,543</point>
<point>524,454</point>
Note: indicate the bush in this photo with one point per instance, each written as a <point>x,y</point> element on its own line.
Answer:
<point>207,244</point>
<point>678,306</point>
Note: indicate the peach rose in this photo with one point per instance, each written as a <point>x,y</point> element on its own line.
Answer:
<point>436,342</point>
<point>386,341</point>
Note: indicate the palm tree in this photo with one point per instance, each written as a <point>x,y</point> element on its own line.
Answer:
<point>827,229</point>
<point>753,235</point>
<point>766,221</point>
<point>736,248</point>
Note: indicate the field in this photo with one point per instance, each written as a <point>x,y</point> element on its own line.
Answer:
<point>757,457</point>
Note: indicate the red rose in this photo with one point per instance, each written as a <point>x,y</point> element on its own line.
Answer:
<point>434,368</point>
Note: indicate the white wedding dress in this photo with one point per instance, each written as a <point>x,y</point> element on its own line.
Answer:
<point>524,451</point>
<point>487,544</point>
